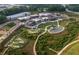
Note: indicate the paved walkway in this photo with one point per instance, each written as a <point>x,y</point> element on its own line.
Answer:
<point>67,10</point>
<point>34,47</point>
<point>8,34</point>
<point>53,50</point>
<point>67,46</point>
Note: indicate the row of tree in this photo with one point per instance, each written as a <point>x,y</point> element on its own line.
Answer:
<point>38,7</point>
<point>2,18</point>
<point>73,7</point>
<point>13,10</point>
<point>48,7</point>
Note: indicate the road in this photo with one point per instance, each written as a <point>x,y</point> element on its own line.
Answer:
<point>34,47</point>
<point>8,34</point>
<point>67,10</point>
<point>2,25</point>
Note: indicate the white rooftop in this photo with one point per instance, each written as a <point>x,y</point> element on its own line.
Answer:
<point>44,14</point>
<point>17,15</point>
<point>34,15</point>
<point>45,18</point>
<point>36,19</point>
<point>26,17</point>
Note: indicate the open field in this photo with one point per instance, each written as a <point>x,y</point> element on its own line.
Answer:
<point>72,50</point>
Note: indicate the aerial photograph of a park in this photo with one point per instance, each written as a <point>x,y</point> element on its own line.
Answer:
<point>39,29</point>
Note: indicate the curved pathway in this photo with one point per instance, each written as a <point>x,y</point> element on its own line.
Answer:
<point>34,47</point>
<point>67,46</point>
<point>67,10</point>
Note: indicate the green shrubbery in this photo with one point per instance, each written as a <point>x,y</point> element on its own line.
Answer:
<point>57,42</point>
<point>2,18</point>
<point>73,7</point>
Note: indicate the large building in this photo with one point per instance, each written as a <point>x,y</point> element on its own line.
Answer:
<point>19,15</point>
<point>37,19</point>
<point>24,18</point>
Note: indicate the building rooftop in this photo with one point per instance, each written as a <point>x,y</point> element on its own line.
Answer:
<point>44,14</point>
<point>36,19</point>
<point>18,15</point>
<point>26,17</point>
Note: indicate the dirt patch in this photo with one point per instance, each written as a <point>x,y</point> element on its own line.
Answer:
<point>49,42</point>
<point>2,31</point>
<point>29,48</point>
<point>51,52</point>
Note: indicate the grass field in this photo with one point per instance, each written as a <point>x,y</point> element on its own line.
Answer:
<point>72,50</point>
<point>43,25</point>
<point>22,43</point>
<point>8,26</point>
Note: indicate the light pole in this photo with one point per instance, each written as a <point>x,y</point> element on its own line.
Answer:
<point>57,23</point>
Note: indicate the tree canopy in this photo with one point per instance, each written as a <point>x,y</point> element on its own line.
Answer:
<point>2,18</point>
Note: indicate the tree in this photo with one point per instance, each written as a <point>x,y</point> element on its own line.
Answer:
<point>73,7</point>
<point>2,18</point>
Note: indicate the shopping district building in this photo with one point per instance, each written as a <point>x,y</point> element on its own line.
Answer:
<point>34,20</point>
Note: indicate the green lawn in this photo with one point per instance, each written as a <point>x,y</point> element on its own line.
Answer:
<point>8,26</point>
<point>23,42</point>
<point>72,50</point>
<point>45,24</point>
